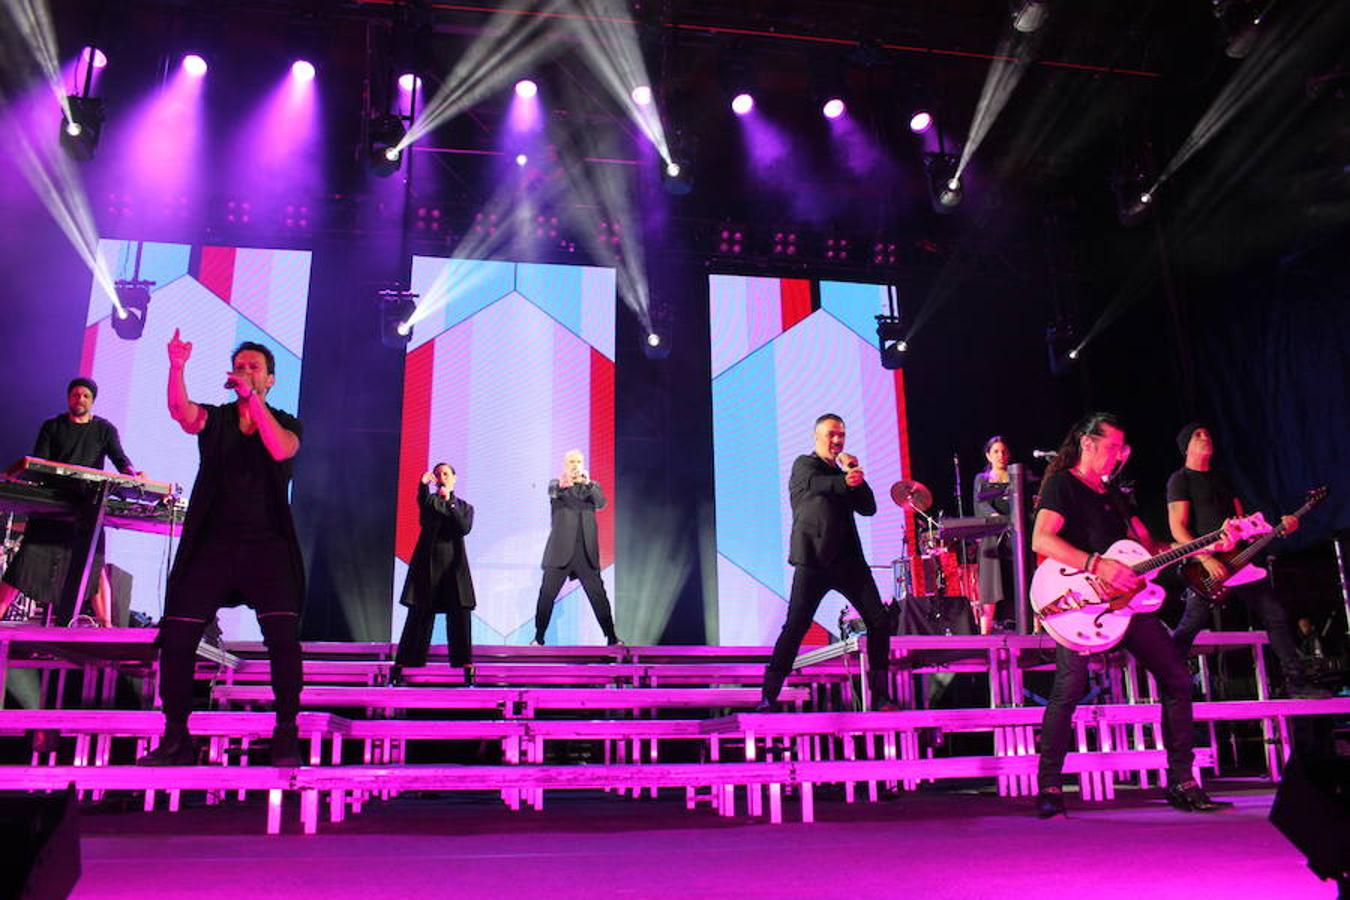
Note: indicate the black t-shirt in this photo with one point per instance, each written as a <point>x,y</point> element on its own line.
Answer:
<point>81,443</point>
<point>1092,521</point>
<point>243,511</point>
<point>1210,494</point>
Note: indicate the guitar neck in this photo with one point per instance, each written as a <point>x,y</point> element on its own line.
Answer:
<point>1153,563</point>
<point>1243,556</point>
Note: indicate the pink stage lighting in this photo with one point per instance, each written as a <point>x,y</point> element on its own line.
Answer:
<point>407,81</point>
<point>100,59</point>
<point>194,65</point>
<point>921,121</point>
<point>833,108</point>
<point>302,70</point>
<point>642,95</point>
<point>525,89</point>
<point>742,104</point>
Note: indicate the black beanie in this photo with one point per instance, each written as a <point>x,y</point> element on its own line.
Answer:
<point>83,382</point>
<point>1184,435</point>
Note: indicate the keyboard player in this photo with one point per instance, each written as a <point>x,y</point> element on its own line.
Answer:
<point>81,438</point>
<point>993,549</point>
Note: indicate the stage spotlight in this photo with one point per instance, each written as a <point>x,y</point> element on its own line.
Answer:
<point>396,312</point>
<point>833,108</point>
<point>921,122</point>
<point>742,104</point>
<point>891,340</point>
<point>525,89</point>
<point>1073,354</point>
<point>194,65</point>
<point>676,179</point>
<point>128,323</point>
<point>302,70</point>
<point>81,129</point>
<point>521,159</point>
<point>1029,15</point>
<point>1062,346</point>
<point>642,95</point>
<point>385,135</point>
<point>653,340</point>
<point>100,60</point>
<point>945,190</point>
<point>408,81</point>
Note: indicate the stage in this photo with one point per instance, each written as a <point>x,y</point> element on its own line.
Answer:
<point>936,844</point>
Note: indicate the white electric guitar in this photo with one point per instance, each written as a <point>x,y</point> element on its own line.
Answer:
<point>1085,614</point>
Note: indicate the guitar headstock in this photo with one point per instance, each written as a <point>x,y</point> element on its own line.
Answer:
<point>1248,527</point>
<point>1316,495</point>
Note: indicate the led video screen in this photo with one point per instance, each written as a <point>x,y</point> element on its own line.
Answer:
<point>785,351</point>
<point>217,297</point>
<point>510,366</point>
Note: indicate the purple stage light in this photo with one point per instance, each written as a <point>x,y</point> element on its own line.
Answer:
<point>833,108</point>
<point>742,104</point>
<point>194,65</point>
<point>302,70</point>
<point>521,159</point>
<point>642,95</point>
<point>100,59</point>
<point>921,121</point>
<point>525,89</point>
<point>407,81</point>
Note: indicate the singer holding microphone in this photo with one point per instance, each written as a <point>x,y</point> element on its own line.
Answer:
<point>573,548</point>
<point>827,488</point>
<point>238,545</point>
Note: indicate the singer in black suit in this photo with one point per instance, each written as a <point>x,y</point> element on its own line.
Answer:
<point>573,548</point>
<point>439,580</point>
<point>827,488</point>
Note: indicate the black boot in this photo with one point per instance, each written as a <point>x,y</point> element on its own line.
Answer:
<point>773,685</point>
<point>176,748</point>
<point>1050,803</point>
<point>286,746</point>
<point>1188,796</point>
<point>395,675</point>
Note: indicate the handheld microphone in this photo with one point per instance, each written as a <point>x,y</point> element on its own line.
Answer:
<point>1044,454</point>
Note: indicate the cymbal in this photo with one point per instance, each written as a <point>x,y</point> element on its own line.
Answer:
<point>912,493</point>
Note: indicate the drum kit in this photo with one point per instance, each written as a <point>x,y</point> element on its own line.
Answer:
<point>940,566</point>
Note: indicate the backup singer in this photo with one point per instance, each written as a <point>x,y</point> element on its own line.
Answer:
<point>438,576</point>
<point>827,488</point>
<point>573,548</point>
<point>238,545</point>
<point>992,552</point>
<point>1199,497</point>
<point>1079,517</point>
<point>80,438</point>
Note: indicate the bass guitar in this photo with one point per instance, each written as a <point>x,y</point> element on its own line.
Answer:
<point>1085,614</point>
<point>1241,569</point>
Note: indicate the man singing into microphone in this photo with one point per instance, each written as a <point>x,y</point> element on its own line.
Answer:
<point>826,488</point>
<point>573,548</point>
<point>238,545</point>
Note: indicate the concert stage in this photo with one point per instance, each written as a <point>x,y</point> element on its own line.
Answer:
<point>936,844</point>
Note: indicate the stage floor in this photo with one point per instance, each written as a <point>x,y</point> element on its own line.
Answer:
<point>944,844</point>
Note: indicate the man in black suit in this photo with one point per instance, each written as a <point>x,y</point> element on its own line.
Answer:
<point>438,577</point>
<point>827,488</point>
<point>573,548</point>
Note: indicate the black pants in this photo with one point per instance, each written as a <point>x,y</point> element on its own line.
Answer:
<point>591,583</point>
<point>416,638</point>
<point>261,575</point>
<point>1263,604</point>
<point>853,579</point>
<point>1147,639</point>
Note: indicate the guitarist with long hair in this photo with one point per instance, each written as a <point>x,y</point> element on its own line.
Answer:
<point>1199,498</point>
<point>1080,515</point>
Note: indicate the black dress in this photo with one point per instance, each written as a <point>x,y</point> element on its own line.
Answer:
<point>994,551</point>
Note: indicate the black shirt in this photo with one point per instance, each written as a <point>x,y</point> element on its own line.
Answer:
<point>243,511</point>
<point>1210,494</point>
<point>81,443</point>
<point>1092,521</point>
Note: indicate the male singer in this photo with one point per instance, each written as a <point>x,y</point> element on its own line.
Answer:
<point>573,548</point>
<point>238,545</point>
<point>827,487</point>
